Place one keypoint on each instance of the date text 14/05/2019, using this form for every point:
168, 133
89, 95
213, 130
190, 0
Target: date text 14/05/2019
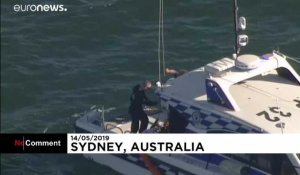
137, 146
89, 137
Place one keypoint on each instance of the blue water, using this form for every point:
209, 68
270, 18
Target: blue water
56, 64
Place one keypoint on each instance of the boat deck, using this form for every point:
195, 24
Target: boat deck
124, 126
269, 101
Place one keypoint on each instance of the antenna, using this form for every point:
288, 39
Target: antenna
235, 27
241, 40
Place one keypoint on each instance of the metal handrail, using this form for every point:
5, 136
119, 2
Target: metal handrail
113, 127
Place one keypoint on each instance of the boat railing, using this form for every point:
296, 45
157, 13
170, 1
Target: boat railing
112, 126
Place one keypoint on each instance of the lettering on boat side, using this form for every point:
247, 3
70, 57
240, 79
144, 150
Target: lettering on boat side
276, 110
267, 116
298, 103
274, 117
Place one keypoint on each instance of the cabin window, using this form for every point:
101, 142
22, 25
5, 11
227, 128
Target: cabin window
216, 95
275, 164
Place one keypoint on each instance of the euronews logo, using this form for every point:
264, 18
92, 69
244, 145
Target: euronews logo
39, 8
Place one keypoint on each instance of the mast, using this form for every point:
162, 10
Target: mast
235, 27
241, 39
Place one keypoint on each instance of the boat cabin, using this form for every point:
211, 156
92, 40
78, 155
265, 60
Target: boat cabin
249, 94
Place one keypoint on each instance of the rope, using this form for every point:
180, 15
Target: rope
159, 39
161, 42
162, 35
297, 60
150, 164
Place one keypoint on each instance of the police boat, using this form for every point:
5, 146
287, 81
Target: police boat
244, 93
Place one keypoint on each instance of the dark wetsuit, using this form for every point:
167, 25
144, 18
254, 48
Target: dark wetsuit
177, 122
137, 100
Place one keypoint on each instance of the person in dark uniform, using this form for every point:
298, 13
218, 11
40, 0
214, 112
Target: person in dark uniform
138, 98
177, 122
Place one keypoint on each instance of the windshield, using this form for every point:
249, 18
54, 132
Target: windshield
298, 155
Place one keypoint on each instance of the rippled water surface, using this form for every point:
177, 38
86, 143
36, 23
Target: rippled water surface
59, 63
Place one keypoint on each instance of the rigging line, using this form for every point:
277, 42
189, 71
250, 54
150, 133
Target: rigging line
297, 60
159, 38
162, 36
293, 59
